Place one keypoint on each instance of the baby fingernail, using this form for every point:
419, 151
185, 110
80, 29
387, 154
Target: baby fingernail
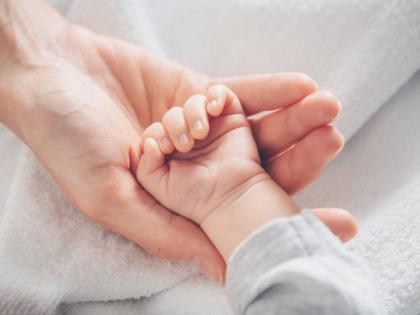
198, 125
166, 144
183, 138
212, 105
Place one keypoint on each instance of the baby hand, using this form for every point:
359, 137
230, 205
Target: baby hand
216, 159
202, 162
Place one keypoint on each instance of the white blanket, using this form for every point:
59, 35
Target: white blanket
363, 51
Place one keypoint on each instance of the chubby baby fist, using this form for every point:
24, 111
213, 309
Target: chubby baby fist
201, 157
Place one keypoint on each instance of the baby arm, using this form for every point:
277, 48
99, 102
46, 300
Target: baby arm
278, 260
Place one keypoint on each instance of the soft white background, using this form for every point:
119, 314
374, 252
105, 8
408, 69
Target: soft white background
364, 51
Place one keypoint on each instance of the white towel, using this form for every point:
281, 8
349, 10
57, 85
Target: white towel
363, 51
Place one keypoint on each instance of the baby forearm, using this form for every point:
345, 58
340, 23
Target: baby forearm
259, 203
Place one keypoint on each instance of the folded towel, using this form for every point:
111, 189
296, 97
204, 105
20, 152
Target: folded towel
362, 51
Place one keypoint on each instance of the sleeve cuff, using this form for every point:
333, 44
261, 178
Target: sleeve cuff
280, 240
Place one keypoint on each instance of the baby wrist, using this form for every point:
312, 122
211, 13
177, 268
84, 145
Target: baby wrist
260, 203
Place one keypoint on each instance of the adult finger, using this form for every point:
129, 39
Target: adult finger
264, 92
303, 163
277, 131
339, 221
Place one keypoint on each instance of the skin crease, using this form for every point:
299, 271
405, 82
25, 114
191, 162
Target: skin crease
81, 101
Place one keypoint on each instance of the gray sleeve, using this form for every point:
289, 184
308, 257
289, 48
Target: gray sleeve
297, 266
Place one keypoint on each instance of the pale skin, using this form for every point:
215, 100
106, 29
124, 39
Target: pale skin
81, 102
215, 177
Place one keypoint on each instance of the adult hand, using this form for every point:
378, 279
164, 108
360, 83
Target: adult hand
80, 101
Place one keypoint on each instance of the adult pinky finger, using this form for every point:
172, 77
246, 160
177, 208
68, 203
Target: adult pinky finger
303, 163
